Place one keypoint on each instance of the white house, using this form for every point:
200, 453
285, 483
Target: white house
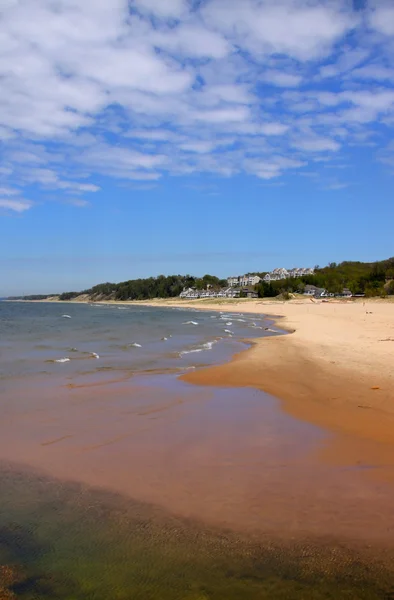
192, 293
312, 290
189, 293
253, 279
243, 280
282, 273
233, 281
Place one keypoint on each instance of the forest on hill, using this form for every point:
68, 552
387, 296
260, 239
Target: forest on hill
370, 279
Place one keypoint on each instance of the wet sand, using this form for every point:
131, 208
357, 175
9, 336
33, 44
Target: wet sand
334, 370
316, 477
227, 457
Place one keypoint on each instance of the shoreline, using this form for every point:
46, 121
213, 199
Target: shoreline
231, 457
333, 370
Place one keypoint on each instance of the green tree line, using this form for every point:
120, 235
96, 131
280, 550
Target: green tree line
370, 279
146, 289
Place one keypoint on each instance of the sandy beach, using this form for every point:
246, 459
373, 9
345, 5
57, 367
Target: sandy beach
311, 460
335, 369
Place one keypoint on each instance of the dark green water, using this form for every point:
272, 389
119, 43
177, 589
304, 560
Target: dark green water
66, 541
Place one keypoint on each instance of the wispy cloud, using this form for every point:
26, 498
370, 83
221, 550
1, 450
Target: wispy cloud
18, 206
136, 90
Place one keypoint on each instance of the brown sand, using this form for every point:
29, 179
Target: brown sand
226, 457
336, 369
232, 458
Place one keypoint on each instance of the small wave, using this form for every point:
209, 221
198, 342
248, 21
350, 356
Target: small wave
206, 346
229, 323
94, 355
190, 323
241, 320
60, 360
228, 331
122, 308
164, 339
135, 345
66, 316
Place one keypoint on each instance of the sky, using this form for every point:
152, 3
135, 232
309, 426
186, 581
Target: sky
192, 136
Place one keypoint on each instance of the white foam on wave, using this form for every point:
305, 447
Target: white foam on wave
229, 323
164, 339
228, 331
66, 316
62, 360
190, 351
190, 323
135, 345
206, 346
94, 355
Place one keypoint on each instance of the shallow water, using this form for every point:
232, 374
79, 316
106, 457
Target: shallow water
66, 541
66, 339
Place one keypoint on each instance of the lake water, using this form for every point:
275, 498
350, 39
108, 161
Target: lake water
73, 339
118, 481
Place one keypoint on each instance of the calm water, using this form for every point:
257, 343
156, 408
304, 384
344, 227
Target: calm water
119, 482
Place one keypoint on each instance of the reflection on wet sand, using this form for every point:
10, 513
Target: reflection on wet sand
228, 457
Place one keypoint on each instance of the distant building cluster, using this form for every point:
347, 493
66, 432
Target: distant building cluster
243, 280
193, 293
282, 273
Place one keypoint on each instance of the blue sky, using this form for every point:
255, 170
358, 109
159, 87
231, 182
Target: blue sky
223, 136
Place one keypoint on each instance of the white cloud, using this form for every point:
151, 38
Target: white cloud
199, 147
349, 59
272, 167
382, 19
274, 128
316, 144
280, 79
18, 206
192, 40
300, 30
6, 191
374, 72
222, 115
132, 90
162, 8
